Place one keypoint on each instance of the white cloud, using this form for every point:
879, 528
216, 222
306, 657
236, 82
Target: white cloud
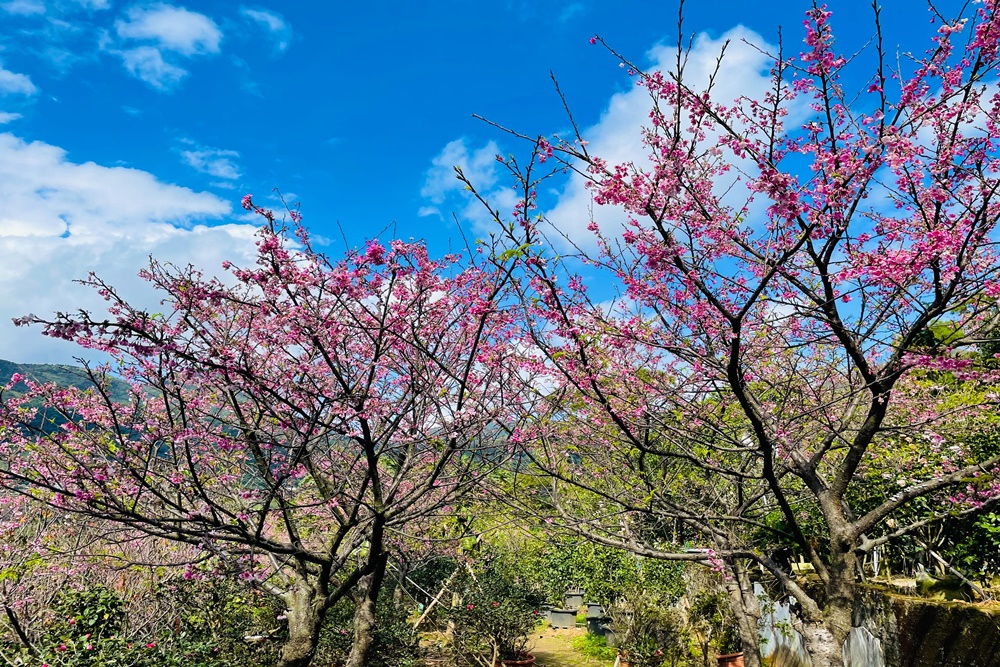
14, 83
479, 167
7, 117
73, 194
213, 161
172, 31
23, 7
94, 4
147, 63
171, 28
616, 137
571, 11
278, 28
62, 219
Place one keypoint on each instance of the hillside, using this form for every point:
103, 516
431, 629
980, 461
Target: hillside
64, 375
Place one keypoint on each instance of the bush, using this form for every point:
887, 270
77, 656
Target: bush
188, 624
653, 634
496, 614
606, 574
96, 612
395, 642
90, 627
429, 576
594, 646
211, 619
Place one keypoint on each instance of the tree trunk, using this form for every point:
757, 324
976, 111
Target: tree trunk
824, 649
825, 637
398, 591
364, 617
304, 621
746, 608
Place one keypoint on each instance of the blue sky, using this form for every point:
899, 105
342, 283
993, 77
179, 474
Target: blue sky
133, 128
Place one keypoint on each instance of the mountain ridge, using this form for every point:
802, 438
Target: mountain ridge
64, 375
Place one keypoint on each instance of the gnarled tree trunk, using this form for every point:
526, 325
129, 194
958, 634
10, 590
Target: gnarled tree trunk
366, 600
823, 647
746, 608
825, 637
304, 621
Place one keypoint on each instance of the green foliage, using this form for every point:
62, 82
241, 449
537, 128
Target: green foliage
610, 575
979, 547
711, 622
104, 652
594, 646
92, 628
430, 576
497, 611
653, 635
395, 643
95, 611
557, 569
557, 563
208, 627
214, 617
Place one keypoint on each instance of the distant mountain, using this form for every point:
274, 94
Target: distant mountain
63, 375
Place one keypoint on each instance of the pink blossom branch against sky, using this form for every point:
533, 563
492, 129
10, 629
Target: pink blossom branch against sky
135, 128
364, 392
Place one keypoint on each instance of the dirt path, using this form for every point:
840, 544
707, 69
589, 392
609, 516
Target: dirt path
554, 648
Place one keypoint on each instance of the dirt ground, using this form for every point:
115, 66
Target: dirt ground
554, 648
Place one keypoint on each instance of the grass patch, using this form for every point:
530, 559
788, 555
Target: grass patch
594, 646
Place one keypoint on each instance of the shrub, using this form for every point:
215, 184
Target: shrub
184, 624
594, 646
496, 614
395, 642
211, 619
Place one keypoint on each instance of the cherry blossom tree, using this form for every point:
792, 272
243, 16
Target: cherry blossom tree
293, 422
27, 581
772, 339
49, 558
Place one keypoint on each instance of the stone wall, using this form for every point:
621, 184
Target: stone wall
915, 632
893, 630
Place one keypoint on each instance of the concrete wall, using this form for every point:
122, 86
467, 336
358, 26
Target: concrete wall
916, 632
894, 630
